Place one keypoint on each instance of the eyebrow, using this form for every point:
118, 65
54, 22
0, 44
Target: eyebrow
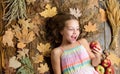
71, 26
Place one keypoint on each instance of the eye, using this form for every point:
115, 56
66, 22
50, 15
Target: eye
70, 29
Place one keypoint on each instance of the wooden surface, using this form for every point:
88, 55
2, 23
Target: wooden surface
104, 37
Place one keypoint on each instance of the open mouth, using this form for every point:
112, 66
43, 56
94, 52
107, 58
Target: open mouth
74, 37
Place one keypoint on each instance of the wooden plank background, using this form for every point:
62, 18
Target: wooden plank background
104, 37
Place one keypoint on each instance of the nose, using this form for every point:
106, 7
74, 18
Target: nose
75, 31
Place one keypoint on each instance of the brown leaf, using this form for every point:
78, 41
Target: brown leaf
25, 36
8, 37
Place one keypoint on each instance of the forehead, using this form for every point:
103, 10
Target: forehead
72, 23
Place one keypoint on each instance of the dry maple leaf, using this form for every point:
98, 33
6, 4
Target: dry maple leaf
102, 15
44, 48
75, 12
14, 63
8, 37
38, 58
43, 68
114, 59
26, 23
22, 53
90, 27
49, 12
31, 24
25, 36
30, 2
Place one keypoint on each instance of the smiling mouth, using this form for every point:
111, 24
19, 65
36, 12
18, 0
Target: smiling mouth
74, 37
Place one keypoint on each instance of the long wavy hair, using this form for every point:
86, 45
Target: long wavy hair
54, 26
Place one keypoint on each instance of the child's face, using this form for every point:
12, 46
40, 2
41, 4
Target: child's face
71, 31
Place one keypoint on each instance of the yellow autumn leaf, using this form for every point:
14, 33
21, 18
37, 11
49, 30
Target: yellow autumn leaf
8, 37
44, 48
114, 59
43, 68
90, 27
31, 24
38, 58
26, 23
49, 12
14, 63
25, 36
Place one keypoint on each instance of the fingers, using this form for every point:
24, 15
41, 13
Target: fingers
97, 50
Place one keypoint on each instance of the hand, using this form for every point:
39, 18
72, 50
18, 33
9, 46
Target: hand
97, 50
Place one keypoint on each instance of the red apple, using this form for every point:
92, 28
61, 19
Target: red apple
93, 45
100, 69
110, 70
106, 63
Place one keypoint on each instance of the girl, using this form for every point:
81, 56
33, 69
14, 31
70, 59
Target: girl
70, 55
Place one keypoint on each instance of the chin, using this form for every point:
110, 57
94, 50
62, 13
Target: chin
73, 41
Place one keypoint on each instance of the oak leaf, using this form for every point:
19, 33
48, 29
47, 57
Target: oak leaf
8, 37
49, 12
90, 27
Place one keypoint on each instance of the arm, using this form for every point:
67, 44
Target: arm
55, 60
94, 55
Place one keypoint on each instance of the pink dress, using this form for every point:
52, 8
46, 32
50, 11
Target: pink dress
77, 61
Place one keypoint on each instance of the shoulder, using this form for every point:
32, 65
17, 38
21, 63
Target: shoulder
56, 52
83, 41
